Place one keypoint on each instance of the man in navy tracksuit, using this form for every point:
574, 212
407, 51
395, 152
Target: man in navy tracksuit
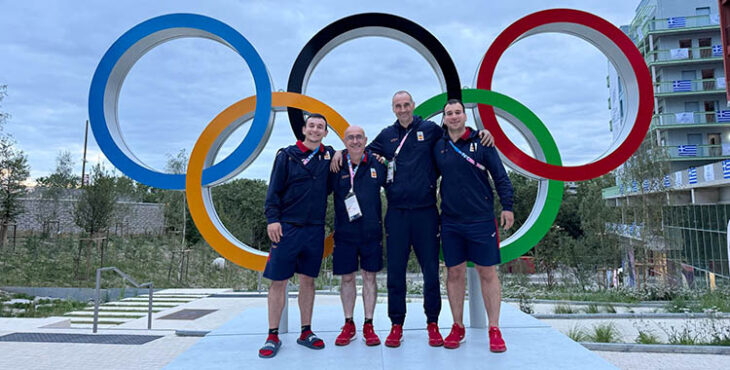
296, 203
358, 231
468, 227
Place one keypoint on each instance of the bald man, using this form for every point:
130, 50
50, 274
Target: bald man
358, 231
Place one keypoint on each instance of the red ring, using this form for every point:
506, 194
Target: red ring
643, 79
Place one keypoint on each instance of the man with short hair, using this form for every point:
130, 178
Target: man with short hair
296, 203
358, 231
468, 227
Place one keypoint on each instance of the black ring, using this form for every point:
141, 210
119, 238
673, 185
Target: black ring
303, 64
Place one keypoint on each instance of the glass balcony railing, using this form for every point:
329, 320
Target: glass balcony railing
611, 192
693, 151
685, 54
678, 23
685, 86
689, 118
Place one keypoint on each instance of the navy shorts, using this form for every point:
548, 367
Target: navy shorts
476, 242
346, 254
299, 250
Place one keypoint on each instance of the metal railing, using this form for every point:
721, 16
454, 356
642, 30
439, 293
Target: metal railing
677, 23
682, 54
683, 86
699, 151
684, 118
125, 278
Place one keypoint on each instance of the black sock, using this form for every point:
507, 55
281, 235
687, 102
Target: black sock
349, 320
369, 321
274, 331
306, 328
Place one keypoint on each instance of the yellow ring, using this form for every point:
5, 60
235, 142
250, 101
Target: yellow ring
243, 255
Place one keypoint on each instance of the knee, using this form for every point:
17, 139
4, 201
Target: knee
348, 279
306, 282
368, 277
488, 274
456, 273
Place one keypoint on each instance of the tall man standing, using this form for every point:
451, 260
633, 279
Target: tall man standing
412, 218
296, 203
358, 231
468, 227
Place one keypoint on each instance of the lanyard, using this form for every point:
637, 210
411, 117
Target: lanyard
309, 158
468, 159
397, 150
353, 172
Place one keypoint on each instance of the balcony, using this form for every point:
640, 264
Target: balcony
688, 120
684, 55
690, 87
695, 152
676, 25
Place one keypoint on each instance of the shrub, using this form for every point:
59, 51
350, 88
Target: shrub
605, 333
563, 308
577, 334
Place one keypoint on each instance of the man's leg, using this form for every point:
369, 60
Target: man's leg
276, 300
424, 228
369, 292
348, 294
306, 298
491, 292
398, 249
455, 286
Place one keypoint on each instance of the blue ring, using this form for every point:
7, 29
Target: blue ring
100, 127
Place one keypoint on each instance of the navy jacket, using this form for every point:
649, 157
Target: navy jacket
369, 178
466, 195
414, 185
297, 193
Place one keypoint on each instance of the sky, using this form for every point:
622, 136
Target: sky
49, 51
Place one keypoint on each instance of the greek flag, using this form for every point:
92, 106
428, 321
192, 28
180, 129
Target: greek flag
687, 150
692, 173
676, 22
723, 116
645, 185
716, 50
726, 169
621, 188
682, 85
668, 184
634, 186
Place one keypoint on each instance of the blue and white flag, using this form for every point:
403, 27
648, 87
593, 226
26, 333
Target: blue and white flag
621, 188
726, 169
645, 185
682, 85
716, 50
676, 22
634, 186
692, 174
667, 182
723, 116
687, 150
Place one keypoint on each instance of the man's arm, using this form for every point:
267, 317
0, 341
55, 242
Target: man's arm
502, 184
272, 206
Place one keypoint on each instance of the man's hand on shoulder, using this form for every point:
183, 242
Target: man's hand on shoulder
336, 162
486, 138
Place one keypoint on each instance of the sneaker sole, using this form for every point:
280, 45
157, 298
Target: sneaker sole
370, 344
395, 346
463, 340
353, 337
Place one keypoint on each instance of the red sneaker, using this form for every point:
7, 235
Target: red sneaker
434, 337
456, 337
347, 335
369, 336
496, 343
395, 336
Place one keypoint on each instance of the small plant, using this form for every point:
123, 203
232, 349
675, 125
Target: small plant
592, 308
605, 333
647, 337
563, 308
611, 308
577, 334
525, 301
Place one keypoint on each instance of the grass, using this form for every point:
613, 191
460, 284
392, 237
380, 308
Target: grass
647, 337
42, 308
564, 308
592, 308
577, 334
605, 333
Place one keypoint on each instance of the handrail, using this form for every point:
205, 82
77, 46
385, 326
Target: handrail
125, 277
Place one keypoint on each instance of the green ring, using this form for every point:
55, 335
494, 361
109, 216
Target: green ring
549, 211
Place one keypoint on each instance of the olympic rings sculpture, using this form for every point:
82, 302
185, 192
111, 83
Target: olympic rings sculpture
202, 173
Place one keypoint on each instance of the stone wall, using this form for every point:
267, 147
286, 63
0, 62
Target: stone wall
131, 218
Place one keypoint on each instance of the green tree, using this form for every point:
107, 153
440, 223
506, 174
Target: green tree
240, 205
95, 208
14, 171
54, 187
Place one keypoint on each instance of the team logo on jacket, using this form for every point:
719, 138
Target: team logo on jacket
326, 155
473, 147
419, 134
373, 173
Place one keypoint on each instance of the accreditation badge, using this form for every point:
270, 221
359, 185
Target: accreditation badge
327, 155
373, 173
391, 171
352, 206
419, 135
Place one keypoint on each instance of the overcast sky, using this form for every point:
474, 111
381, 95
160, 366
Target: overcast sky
50, 49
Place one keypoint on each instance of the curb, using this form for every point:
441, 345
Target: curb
690, 315
656, 348
586, 303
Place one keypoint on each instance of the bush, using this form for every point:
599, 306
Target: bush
563, 308
605, 333
592, 308
577, 334
647, 337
